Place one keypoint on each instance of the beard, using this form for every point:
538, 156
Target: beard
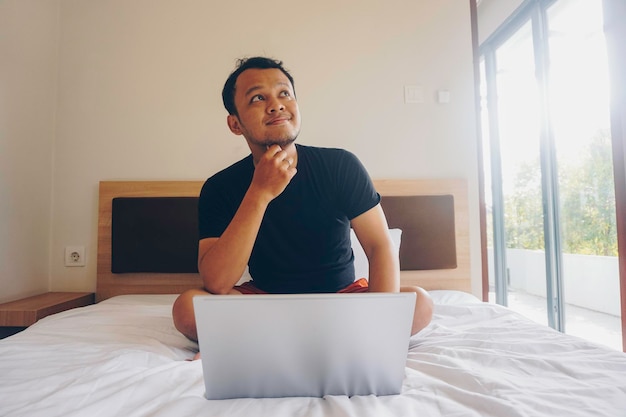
283, 143
269, 141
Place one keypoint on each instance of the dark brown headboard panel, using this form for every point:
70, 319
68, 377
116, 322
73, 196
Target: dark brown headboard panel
427, 223
160, 234
154, 234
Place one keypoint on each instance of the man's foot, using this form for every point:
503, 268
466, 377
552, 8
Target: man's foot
195, 357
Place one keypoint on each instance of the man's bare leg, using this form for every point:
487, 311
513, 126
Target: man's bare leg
423, 308
183, 314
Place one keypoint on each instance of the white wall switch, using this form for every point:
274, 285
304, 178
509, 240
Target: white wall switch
413, 94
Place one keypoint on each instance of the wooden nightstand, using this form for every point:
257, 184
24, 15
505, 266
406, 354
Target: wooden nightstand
24, 312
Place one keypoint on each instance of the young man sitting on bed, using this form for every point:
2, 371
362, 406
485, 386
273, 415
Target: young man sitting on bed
286, 209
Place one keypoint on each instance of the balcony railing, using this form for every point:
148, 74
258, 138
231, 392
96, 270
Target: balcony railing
591, 290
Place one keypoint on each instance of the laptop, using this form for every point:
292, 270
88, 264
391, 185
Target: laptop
303, 345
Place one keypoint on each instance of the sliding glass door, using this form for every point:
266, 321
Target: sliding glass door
515, 155
579, 93
554, 244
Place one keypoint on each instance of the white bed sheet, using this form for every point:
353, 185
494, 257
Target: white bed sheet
123, 357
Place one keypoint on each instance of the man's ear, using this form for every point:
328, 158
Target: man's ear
233, 124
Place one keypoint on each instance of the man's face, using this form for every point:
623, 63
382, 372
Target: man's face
267, 107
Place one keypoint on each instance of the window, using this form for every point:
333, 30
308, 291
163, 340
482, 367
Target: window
552, 246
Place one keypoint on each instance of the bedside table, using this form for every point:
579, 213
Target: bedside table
24, 312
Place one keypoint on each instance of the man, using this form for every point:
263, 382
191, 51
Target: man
286, 210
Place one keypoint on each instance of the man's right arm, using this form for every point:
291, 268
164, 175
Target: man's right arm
221, 261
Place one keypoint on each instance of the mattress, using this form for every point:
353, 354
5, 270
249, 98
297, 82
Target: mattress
123, 357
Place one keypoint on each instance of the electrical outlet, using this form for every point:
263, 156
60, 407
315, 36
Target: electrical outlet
74, 256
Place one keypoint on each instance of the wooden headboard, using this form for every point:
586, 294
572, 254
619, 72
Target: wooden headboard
458, 278
452, 263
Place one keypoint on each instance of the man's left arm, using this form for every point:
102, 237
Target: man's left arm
384, 265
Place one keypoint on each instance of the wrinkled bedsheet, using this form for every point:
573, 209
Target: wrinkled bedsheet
123, 357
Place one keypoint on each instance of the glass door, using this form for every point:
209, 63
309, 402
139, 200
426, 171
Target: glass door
545, 103
578, 88
516, 175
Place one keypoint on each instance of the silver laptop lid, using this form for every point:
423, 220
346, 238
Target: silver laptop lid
307, 345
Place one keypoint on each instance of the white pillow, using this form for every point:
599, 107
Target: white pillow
361, 264
245, 277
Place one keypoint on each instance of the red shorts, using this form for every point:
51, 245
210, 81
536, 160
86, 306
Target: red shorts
360, 285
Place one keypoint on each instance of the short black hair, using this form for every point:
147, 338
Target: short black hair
257, 62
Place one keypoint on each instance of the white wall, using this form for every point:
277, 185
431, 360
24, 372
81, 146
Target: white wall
28, 59
139, 85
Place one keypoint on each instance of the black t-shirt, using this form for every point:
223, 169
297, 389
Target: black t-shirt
303, 245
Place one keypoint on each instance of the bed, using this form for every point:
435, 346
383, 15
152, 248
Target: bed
123, 357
